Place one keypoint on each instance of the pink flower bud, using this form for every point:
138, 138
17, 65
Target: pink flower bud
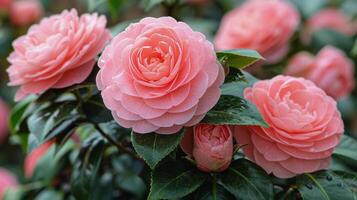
25, 12
5, 5
35, 156
7, 181
211, 146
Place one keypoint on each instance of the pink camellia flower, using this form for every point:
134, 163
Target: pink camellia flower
25, 12
330, 18
57, 53
7, 181
265, 26
331, 70
5, 5
304, 127
35, 156
159, 75
211, 146
4, 116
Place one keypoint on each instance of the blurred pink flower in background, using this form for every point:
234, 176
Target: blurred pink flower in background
159, 75
210, 145
35, 156
57, 53
25, 12
304, 127
330, 18
4, 118
5, 5
265, 26
7, 181
331, 70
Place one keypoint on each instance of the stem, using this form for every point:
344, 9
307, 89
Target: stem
119, 145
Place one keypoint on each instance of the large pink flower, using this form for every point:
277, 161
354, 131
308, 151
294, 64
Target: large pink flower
304, 127
330, 18
25, 12
7, 181
4, 118
159, 75
331, 70
57, 53
210, 145
265, 26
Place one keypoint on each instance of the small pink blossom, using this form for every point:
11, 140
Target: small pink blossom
211, 146
25, 12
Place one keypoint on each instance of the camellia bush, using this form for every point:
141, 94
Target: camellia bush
170, 99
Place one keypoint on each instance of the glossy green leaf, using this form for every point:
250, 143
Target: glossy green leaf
172, 180
17, 115
212, 191
154, 147
323, 185
350, 179
239, 58
246, 181
233, 110
84, 177
53, 119
236, 87
49, 194
346, 150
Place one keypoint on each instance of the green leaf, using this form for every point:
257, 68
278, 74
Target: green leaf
236, 87
233, 110
49, 194
247, 181
239, 58
346, 150
175, 179
128, 179
53, 119
350, 178
17, 114
84, 177
14, 194
154, 147
324, 185
114, 6
325, 37
212, 191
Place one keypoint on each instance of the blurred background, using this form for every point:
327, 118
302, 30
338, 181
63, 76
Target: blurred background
16, 16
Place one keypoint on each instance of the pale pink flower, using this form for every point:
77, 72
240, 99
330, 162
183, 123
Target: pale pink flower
57, 53
25, 12
159, 75
211, 146
7, 181
331, 70
304, 127
265, 26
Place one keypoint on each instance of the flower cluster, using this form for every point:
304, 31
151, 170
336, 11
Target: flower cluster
159, 76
